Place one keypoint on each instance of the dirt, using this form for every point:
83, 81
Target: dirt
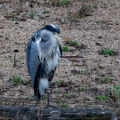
84, 81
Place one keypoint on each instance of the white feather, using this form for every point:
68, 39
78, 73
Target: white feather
43, 84
38, 48
53, 63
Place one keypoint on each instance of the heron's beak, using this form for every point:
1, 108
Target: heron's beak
58, 37
55, 33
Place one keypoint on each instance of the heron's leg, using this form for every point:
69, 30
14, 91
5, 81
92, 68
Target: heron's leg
37, 101
48, 97
48, 100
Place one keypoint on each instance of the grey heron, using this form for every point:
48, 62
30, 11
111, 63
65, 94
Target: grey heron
43, 54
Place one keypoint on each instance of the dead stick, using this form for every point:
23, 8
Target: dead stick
72, 56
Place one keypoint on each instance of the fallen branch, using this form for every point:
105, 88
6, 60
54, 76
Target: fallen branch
54, 113
72, 56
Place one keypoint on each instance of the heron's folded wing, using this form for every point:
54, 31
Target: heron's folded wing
32, 60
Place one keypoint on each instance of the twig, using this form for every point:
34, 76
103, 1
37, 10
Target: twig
76, 56
14, 65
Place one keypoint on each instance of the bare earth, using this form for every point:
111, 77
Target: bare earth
78, 82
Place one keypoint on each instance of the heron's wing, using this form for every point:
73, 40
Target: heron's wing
32, 59
28, 54
34, 65
36, 82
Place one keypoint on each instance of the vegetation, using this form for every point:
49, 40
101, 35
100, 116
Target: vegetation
101, 22
64, 105
106, 80
32, 97
65, 49
17, 80
115, 91
85, 72
32, 14
75, 72
66, 95
83, 88
46, 11
55, 91
107, 51
102, 97
13, 17
74, 44
60, 81
64, 2
44, 96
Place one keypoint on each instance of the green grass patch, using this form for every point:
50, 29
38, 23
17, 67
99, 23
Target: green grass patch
32, 97
74, 44
44, 96
83, 88
75, 72
16, 80
85, 72
65, 49
55, 91
64, 2
66, 95
101, 22
107, 80
13, 17
115, 91
102, 97
46, 11
107, 51
64, 105
89, 103
60, 81
32, 14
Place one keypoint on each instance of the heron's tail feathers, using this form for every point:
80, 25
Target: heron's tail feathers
39, 89
43, 85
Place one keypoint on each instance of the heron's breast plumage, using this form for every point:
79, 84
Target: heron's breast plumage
51, 59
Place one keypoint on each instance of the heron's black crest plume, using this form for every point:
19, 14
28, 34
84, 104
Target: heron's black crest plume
52, 28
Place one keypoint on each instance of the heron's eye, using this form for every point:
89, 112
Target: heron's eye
54, 33
43, 40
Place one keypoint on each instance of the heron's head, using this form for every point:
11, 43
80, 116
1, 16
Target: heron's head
46, 38
54, 28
